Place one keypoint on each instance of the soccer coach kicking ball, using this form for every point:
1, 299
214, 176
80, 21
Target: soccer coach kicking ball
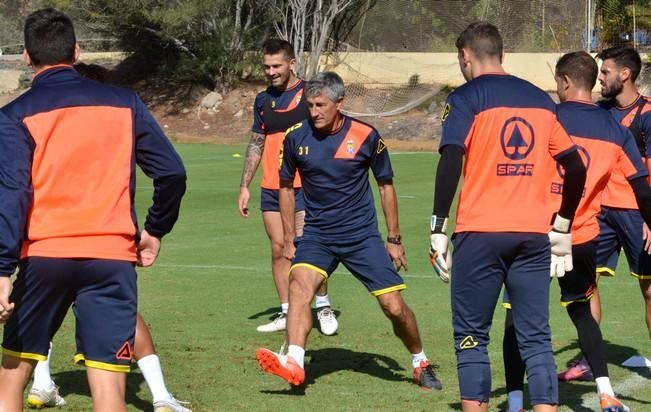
333, 154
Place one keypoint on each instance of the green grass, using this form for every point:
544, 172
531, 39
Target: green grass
212, 286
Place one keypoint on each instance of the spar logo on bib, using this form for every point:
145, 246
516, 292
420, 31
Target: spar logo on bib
517, 140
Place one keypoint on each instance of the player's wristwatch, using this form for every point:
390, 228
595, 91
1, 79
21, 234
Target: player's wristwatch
396, 240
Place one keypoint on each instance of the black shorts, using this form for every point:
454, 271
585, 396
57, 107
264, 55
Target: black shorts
578, 284
105, 299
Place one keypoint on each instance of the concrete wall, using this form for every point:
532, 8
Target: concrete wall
396, 68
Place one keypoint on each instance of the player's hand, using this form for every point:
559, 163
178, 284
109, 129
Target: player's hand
6, 308
243, 201
438, 248
147, 249
398, 256
646, 235
560, 239
289, 249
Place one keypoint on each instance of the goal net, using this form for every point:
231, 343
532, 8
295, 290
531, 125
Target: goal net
393, 55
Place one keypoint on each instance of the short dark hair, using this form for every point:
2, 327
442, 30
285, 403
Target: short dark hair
275, 46
624, 57
49, 37
580, 67
483, 39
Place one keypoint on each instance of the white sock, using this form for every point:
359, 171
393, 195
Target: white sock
515, 401
284, 307
297, 353
151, 370
417, 357
42, 378
603, 386
322, 301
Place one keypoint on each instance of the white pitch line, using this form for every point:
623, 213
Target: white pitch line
259, 269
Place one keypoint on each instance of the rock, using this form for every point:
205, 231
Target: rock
25, 79
239, 113
9, 80
185, 111
212, 100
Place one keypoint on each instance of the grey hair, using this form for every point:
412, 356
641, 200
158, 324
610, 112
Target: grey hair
328, 83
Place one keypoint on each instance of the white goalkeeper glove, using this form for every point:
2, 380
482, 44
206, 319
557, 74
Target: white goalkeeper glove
438, 248
561, 242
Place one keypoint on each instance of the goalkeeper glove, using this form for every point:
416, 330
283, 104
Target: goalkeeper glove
561, 242
438, 248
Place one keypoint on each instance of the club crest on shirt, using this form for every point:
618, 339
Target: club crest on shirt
350, 146
273, 104
446, 112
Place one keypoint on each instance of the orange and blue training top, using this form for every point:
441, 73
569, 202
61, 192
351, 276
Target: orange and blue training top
619, 193
274, 112
68, 150
334, 170
509, 131
604, 145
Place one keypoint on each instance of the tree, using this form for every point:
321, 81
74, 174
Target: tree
201, 41
308, 25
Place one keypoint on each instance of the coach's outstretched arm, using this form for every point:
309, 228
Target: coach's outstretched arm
448, 174
158, 160
560, 236
16, 148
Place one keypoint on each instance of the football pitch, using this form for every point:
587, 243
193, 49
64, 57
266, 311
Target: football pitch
212, 286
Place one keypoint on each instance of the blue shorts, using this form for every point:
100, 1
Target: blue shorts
482, 263
105, 305
577, 285
622, 228
269, 200
367, 259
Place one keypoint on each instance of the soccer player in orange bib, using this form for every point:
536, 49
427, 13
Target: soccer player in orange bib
605, 146
275, 110
508, 131
68, 151
620, 222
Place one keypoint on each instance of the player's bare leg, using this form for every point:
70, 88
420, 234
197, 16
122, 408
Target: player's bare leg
107, 389
280, 265
303, 285
14, 375
476, 406
143, 342
595, 301
273, 225
144, 352
645, 287
405, 327
402, 319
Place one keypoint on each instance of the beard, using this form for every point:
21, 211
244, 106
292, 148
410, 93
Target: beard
613, 90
